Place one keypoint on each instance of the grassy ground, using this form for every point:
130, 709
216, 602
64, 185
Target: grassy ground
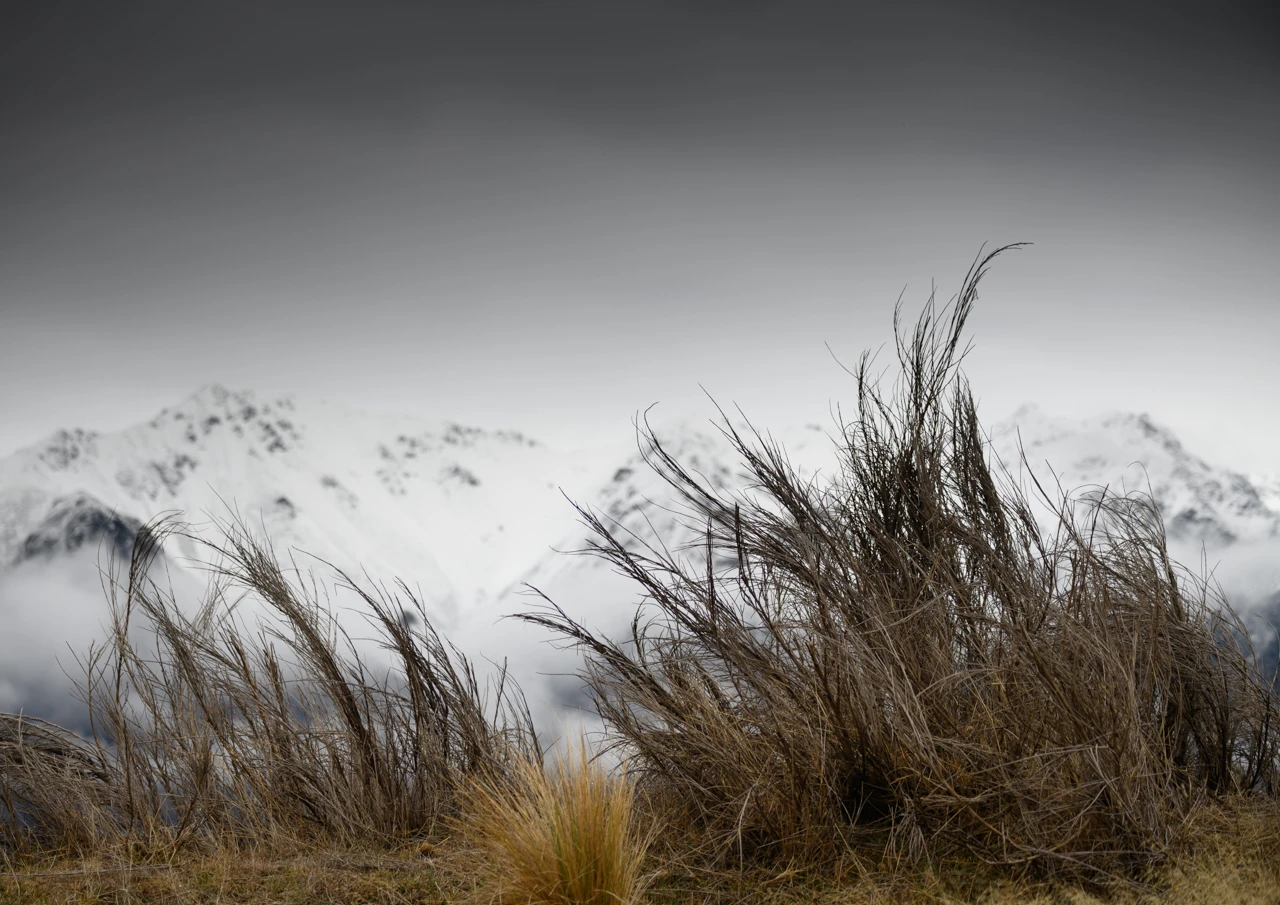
1228, 875
229, 878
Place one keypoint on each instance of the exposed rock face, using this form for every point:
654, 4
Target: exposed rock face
78, 521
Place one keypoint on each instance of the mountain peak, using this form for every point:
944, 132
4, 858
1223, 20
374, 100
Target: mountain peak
217, 399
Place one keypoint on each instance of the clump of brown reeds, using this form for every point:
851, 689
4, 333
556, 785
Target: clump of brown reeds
565, 834
219, 733
899, 664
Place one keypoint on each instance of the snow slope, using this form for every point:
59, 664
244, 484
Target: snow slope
1269, 489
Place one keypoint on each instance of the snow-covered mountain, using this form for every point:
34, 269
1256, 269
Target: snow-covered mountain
467, 516
1127, 453
457, 510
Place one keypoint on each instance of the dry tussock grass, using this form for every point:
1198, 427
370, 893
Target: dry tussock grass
562, 835
219, 734
896, 662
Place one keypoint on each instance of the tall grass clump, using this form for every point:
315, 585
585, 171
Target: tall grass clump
566, 834
896, 665
208, 731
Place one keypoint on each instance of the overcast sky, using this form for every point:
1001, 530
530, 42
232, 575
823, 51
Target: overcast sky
549, 215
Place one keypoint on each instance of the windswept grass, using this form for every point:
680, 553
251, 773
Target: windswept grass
217, 733
895, 666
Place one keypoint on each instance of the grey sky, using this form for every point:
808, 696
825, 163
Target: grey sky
549, 215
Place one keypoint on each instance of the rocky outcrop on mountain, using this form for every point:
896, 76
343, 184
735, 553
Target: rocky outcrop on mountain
79, 521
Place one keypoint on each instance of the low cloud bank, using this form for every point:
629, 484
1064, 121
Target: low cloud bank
51, 611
